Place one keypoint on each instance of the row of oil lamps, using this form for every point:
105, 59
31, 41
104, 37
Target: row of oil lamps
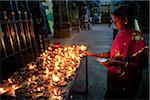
46, 77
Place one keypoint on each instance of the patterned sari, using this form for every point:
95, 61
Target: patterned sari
127, 45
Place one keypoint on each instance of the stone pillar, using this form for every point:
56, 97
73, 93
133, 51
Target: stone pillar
74, 15
62, 27
81, 14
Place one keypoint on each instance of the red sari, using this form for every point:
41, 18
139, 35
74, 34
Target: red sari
128, 46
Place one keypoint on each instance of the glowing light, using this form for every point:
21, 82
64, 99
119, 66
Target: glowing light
2, 90
55, 78
54, 68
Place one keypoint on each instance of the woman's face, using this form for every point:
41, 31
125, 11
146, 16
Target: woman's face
119, 22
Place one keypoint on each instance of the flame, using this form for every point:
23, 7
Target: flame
39, 89
52, 68
57, 65
32, 66
2, 90
11, 90
15, 87
50, 48
73, 56
53, 97
10, 81
49, 57
44, 54
44, 58
12, 93
29, 80
68, 74
47, 71
83, 48
46, 51
33, 78
55, 78
55, 91
70, 68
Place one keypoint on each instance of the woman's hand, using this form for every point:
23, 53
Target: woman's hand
104, 55
107, 63
113, 66
87, 53
113, 70
115, 63
101, 55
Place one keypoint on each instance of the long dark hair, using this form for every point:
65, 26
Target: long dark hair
125, 11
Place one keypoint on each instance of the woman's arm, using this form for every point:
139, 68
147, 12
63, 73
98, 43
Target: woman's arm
101, 55
138, 62
133, 64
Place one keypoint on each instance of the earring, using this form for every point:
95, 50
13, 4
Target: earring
126, 23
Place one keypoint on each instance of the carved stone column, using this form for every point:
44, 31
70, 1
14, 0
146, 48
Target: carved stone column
74, 15
62, 27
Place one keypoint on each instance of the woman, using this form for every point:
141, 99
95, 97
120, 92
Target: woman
127, 57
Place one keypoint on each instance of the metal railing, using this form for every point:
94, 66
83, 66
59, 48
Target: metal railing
18, 40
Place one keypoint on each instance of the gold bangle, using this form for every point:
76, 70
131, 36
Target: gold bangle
126, 64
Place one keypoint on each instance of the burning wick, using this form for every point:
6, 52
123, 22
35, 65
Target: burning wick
49, 48
29, 80
2, 90
55, 78
58, 67
83, 48
32, 67
10, 81
38, 89
15, 87
44, 54
55, 92
12, 91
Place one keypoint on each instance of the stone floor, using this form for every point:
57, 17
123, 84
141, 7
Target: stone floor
97, 39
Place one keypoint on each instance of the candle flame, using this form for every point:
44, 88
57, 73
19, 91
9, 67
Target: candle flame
32, 66
10, 81
39, 89
15, 87
55, 78
83, 48
2, 90
55, 67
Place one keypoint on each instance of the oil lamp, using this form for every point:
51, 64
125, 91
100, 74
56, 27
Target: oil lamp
2, 90
47, 76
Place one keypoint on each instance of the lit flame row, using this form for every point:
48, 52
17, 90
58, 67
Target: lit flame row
53, 69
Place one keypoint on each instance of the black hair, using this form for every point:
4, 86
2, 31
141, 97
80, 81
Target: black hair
126, 11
